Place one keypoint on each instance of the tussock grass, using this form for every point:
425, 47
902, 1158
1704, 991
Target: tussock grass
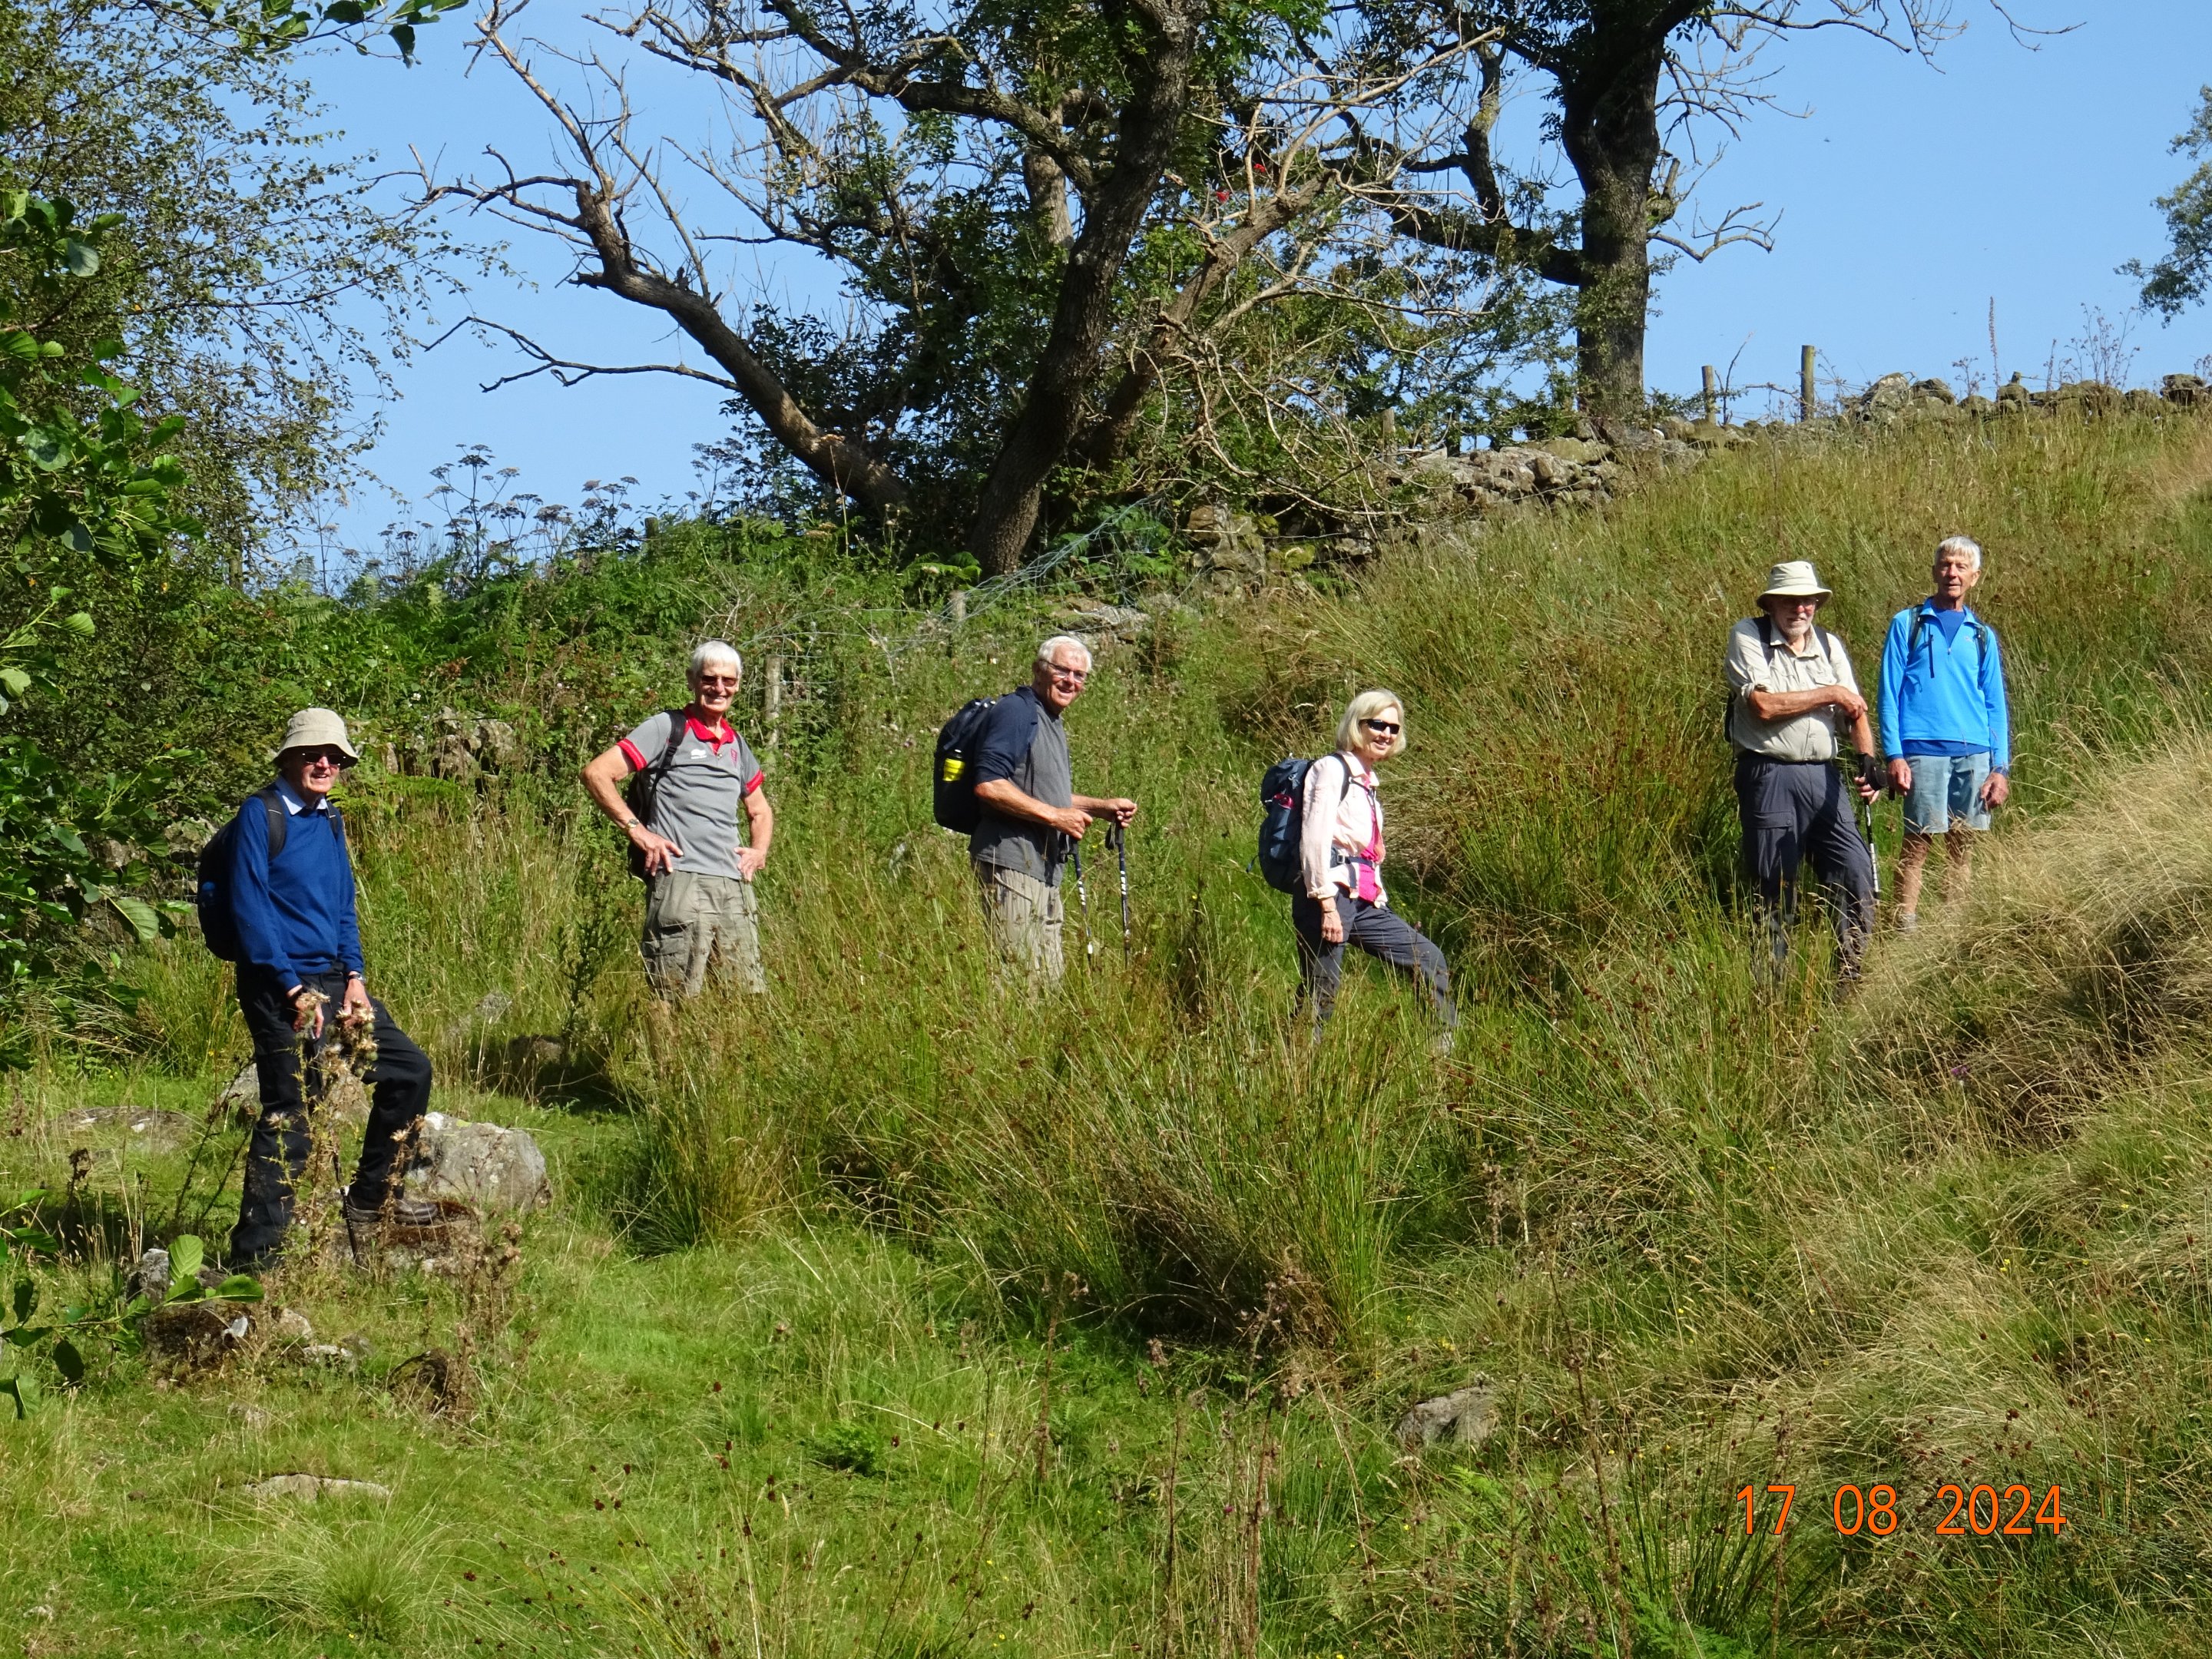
908, 1215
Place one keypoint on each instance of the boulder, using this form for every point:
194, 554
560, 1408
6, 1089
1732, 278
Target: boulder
241, 1095
1940, 389
139, 1126
1574, 449
2186, 390
479, 1165
1467, 1415
313, 1488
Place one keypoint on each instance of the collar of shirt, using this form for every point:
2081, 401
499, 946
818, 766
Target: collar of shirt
1930, 608
713, 736
295, 803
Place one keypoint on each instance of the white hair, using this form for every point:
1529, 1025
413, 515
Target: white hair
710, 653
1966, 544
1058, 643
1365, 707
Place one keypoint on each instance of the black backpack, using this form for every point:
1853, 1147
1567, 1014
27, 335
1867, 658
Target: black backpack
212, 893
1282, 822
952, 775
638, 795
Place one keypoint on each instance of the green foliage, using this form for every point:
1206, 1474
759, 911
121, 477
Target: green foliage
24, 1240
2178, 279
248, 279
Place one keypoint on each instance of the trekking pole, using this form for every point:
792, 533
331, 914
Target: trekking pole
1082, 898
1120, 840
1865, 828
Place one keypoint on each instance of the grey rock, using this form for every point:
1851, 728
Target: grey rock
1467, 1415
2013, 390
313, 1488
140, 1126
241, 1095
1940, 389
290, 1325
151, 1277
2186, 389
480, 1164
497, 746
1574, 449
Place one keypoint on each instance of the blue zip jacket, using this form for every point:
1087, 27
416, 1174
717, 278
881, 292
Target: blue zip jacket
294, 916
1948, 693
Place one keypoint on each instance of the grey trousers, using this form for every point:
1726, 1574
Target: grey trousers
1797, 811
1383, 935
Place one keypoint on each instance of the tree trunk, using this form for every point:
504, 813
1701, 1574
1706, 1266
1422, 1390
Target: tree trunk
1113, 213
1609, 125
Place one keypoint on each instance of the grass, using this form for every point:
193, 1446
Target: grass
905, 1314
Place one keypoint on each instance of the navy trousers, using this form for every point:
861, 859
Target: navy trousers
1382, 934
293, 1084
1800, 811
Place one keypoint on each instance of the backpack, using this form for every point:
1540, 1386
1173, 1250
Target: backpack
1282, 822
211, 893
952, 774
1771, 640
1981, 630
639, 792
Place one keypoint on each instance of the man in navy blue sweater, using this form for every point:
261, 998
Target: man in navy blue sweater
298, 933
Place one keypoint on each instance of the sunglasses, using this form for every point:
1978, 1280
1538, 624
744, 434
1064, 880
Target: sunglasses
1382, 727
718, 679
327, 756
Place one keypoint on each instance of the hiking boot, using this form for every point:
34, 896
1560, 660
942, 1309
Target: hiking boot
1907, 921
399, 1209
1441, 1045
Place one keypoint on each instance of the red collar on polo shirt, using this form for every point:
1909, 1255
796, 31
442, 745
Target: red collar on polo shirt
713, 736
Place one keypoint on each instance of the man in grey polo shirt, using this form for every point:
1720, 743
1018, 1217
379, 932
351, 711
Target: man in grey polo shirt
701, 913
1028, 812
1791, 693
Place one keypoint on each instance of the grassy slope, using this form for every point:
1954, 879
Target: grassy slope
1697, 1240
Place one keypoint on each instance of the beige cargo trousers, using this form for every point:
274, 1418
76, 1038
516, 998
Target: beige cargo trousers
1025, 920
701, 926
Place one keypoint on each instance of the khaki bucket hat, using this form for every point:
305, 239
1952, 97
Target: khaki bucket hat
311, 728
1794, 579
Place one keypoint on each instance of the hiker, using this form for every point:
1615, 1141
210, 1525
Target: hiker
1340, 900
298, 938
1944, 727
1792, 698
701, 913
1028, 817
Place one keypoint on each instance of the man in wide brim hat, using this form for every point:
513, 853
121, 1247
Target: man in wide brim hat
290, 891
1792, 698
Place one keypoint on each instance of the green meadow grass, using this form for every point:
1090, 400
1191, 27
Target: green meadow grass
905, 1312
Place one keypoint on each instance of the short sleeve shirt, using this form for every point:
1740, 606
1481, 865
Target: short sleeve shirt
1750, 666
1024, 743
699, 804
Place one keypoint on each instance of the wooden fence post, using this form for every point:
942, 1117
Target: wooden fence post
772, 699
1712, 393
1807, 398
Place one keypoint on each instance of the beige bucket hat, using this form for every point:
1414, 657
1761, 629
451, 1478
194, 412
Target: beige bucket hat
1794, 579
311, 728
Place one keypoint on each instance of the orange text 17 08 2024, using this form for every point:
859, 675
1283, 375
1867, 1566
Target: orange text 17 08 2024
1979, 1511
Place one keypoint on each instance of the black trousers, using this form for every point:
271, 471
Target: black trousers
1793, 812
1382, 934
292, 1084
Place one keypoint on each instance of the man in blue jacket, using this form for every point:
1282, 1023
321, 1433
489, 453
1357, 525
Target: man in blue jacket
298, 933
1944, 727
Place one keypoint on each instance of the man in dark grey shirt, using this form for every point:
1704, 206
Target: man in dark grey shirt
1030, 814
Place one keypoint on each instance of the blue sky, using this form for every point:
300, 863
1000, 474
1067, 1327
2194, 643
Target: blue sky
1910, 195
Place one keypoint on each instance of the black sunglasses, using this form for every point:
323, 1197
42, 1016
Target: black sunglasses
329, 752
1383, 727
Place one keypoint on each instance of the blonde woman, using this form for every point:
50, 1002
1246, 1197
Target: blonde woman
1340, 860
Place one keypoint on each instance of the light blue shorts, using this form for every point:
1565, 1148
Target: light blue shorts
1946, 794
